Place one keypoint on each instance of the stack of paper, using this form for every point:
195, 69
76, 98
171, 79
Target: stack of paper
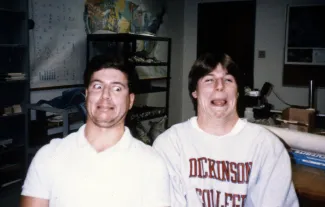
12, 76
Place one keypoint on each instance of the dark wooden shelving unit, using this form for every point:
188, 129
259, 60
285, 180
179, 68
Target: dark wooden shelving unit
14, 58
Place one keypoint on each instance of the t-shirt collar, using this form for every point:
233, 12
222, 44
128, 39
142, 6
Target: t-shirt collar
240, 124
123, 143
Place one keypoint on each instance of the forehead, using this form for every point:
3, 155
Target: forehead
109, 75
219, 70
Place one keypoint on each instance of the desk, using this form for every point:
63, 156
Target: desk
310, 185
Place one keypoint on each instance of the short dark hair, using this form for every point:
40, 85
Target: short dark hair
117, 62
205, 64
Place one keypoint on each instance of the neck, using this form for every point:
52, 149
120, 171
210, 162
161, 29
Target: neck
217, 126
101, 138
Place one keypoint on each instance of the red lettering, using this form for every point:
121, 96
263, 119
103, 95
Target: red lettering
248, 166
206, 198
193, 167
240, 172
218, 176
202, 174
199, 191
225, 170
218, 198
243, 198
212, 173
227, 196
212, 197
235, 197
233, 171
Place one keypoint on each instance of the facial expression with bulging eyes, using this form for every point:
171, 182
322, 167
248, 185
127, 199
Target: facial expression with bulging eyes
216, 95
107, 98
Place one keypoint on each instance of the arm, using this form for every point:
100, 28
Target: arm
36, 187
274, 187
27, 201
157, 184
170, 152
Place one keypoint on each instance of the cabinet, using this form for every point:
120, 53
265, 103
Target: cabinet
14, 90
153, 69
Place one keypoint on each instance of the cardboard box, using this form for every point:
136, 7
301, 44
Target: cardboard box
299, 119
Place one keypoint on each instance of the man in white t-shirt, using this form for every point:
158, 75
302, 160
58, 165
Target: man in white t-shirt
101, 164
216, 159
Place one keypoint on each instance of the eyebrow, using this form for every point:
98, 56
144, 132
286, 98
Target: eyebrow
114, 82
209, 74
119, 83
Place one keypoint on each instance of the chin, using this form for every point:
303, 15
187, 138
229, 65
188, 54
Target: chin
222, 114
104, 124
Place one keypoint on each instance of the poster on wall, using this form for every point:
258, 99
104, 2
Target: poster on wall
58, 40
57, 43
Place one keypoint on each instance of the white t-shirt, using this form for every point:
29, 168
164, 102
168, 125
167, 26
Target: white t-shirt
70, 173
247, 167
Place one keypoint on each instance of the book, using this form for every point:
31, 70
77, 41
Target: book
308, 155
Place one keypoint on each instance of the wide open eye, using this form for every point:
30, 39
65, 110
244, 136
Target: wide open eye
97, 86
117, 88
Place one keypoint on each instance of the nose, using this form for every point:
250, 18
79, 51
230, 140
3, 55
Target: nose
220, 85
106, 93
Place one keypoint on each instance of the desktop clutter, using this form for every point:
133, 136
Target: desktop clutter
294, 125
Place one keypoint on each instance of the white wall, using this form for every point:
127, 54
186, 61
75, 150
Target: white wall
175, 21
269, 36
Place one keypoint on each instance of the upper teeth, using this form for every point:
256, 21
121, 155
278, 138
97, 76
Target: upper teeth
219, 102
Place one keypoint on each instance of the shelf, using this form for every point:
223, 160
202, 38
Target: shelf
14, 59
11, 115
146, 113
12, 81
16, 181
153, 89
11, 148
123, 37
52, 109
9, 167
59, 129
12, 46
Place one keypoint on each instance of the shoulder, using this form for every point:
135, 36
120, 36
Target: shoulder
173, 134
56, 147
269, 141
146, 154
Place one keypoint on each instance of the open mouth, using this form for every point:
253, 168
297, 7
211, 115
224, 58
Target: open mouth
105, 108
219, 103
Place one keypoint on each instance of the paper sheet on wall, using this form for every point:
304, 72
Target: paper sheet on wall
57, 42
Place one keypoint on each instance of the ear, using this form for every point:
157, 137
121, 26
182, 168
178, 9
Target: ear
86, 93
194, 94
132, 97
